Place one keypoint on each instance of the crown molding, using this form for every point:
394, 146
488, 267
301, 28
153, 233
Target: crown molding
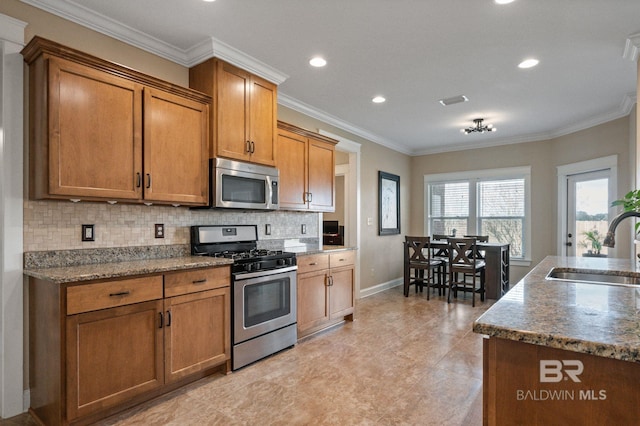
325, 117
632, 47
212, 47
200, 52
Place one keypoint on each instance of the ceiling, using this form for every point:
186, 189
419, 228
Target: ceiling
412, 52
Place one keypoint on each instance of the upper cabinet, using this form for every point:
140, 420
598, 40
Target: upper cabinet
100, 131
244, 111
306, 161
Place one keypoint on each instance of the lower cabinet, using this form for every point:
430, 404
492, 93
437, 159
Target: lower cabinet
326, 290
120, 342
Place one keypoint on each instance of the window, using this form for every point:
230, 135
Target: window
487, 202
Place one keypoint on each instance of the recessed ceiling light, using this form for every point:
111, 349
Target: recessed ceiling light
209, 1
503, 1
378, 100
317, 62
528, 63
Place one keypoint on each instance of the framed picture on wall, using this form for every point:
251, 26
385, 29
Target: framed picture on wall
388, 203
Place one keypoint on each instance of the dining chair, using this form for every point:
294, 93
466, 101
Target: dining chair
463, 261
480, 254
420, 268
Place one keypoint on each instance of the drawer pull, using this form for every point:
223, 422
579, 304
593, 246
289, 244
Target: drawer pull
120, 293
341, 260
313, 263
202, 281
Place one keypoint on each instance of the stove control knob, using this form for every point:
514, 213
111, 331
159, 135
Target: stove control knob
281, 262
248, 267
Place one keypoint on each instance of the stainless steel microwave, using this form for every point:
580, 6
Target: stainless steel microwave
239, 185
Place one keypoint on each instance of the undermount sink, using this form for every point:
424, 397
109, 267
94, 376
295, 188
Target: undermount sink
594, 276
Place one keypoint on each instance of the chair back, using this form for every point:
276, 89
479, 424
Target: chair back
417, 250
440, 236
462, 252
479, 254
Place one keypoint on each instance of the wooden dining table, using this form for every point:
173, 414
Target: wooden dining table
497, 266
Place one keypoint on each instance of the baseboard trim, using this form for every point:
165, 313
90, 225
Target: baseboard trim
369, 291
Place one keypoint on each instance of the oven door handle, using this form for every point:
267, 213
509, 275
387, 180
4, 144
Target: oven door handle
249, 275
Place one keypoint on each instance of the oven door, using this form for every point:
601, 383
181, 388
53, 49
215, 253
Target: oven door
262, 302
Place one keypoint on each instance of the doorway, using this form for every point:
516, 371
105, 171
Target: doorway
585, 192
587, 213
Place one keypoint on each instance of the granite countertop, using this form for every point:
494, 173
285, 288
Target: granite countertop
324, 249
597, 319
61, 275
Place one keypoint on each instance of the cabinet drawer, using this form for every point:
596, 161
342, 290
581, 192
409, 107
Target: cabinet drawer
91, 297
343, 258
185, 282
312, 262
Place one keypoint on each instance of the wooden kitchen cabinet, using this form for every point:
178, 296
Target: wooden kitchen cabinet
326, 290
99, 347
306, 161
244, 111
197, 323
100, 131
113, 355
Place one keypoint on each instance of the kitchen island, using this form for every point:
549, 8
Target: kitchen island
563, 352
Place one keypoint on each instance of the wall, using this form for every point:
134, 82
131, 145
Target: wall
543, 157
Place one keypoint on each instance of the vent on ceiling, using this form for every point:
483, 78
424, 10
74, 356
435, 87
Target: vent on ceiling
453, 100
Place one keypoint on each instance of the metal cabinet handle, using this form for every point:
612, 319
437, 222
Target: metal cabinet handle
161, 319
313, 263
202, 281
120, 293
247, 146
138, 180
168, 318
253, 147
148, 180
310, 197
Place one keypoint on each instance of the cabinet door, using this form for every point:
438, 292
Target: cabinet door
197, 332
321, 176
232, 112
95, 133
312, 301
176, 158
292, 163
341, 296
113, 355
262, 121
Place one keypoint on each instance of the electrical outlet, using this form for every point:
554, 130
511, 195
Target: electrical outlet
369, 221
88, 233
304, 229
267, 229
159, 230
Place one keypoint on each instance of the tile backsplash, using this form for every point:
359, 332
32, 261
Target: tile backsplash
57, 225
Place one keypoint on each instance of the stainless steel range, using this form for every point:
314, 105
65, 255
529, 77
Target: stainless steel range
263, 290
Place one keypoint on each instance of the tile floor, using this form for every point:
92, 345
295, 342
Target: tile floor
404, 361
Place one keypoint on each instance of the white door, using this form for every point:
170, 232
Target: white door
588, 200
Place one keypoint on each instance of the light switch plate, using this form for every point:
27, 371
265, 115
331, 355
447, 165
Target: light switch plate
304, 229
267, 229
159, 230
88, 233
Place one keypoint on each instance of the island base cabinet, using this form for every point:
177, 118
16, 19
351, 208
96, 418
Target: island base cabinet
113, 355
528, 384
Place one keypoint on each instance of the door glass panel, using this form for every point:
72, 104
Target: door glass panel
588, 214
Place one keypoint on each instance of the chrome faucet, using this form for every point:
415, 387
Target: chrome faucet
610, 239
